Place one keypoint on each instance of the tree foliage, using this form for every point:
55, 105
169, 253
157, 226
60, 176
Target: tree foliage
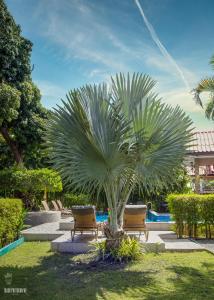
180, 183
29, 185
206, 85
9, 103
15, 50
22, 116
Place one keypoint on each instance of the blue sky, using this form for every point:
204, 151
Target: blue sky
86, 41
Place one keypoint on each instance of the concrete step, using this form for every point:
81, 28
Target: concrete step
43, 232
66, 224
81, 243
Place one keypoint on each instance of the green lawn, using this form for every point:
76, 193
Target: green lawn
46, 275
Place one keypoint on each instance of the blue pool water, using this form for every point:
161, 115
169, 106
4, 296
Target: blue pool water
152, 217
102, 217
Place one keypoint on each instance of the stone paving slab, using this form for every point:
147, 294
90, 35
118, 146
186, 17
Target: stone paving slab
172, 243
206, 244
182, 245
82, 243
43, 232
66, 224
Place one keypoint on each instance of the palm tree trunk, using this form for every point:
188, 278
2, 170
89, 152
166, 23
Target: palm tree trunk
117, 199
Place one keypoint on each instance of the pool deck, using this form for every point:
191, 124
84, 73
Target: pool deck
159, 240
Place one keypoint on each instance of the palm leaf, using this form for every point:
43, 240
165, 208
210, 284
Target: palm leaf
212, 61
205, 85
209, 111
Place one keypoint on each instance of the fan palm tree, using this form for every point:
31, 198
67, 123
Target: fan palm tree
206, 85
113, 138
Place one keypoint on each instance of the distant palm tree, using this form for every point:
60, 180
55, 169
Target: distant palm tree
206, 85
113, 138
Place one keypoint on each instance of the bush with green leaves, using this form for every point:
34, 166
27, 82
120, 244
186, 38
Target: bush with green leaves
209, 185
30, 185
129, 249
193, 213
11, 220
70, 199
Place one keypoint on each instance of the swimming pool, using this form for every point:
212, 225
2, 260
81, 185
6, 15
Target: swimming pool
101, 217
152, 216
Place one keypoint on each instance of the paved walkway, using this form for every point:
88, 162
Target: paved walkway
157, 241
206, 244
43, 232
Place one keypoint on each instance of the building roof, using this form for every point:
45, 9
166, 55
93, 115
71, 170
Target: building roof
203, 143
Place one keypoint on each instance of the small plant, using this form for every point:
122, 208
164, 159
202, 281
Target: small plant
100, 248
129, 249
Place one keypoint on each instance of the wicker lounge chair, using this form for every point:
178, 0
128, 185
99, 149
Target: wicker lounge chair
64, 213
135, 219
56, 207
63, 209
84, 220
45, 205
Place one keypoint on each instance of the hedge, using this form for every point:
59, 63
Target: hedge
11, 220
72, 199
193, 214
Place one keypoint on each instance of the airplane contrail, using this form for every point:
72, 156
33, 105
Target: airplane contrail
161, 47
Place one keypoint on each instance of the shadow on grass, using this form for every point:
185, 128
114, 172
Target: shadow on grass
188, 284
59, 276
63, 277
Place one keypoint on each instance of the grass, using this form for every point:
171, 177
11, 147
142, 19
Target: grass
48, 275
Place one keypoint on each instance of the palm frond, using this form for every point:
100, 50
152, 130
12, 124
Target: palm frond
86, 138
205, 85
162, 142
209, 111
212, 61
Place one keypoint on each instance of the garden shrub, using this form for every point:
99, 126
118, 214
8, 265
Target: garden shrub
29, 185
11, 220
129, 249
192, 213
70, 199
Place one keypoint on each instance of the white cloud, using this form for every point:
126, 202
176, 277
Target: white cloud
182, 98
85, 39
50, 92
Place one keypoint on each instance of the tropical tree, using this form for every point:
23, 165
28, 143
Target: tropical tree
206, 85
22, 116
116, 137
